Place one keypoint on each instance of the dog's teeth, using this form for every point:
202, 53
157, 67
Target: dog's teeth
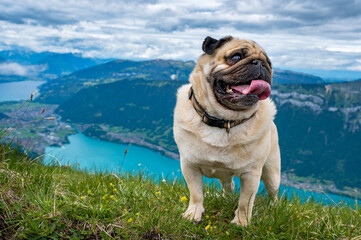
229, 90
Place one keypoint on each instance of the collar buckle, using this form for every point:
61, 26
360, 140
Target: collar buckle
228, 126
204, 119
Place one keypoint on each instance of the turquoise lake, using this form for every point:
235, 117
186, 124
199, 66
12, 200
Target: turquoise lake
93, 154
15, 91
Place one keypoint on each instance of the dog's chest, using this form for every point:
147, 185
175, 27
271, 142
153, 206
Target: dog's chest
221, 162
216, 169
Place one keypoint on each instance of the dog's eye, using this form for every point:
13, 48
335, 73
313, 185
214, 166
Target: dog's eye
236, 57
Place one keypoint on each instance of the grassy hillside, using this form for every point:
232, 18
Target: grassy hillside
61, 202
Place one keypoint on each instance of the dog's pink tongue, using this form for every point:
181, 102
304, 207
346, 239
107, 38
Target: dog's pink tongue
260, 88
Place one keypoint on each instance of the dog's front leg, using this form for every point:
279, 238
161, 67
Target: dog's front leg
194, 179
249, 187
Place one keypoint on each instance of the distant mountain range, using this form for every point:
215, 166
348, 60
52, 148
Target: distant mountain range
59, 64
290, 77
319, 124
332, 75
44, 65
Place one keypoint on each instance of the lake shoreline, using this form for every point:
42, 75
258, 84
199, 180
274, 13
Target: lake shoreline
125, 138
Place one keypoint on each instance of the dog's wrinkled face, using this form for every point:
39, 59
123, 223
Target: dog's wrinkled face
241, 72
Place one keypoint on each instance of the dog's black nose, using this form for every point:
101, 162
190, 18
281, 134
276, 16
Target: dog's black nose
257, 62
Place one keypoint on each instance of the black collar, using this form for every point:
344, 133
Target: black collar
213, 121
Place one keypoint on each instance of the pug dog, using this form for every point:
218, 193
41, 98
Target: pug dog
223, 124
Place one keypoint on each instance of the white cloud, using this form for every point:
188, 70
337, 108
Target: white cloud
16, 69
345, 49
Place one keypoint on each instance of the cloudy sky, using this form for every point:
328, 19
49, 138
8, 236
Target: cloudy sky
296, 34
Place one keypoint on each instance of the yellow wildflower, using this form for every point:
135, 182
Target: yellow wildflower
130, 220
111, 184
82, 197
183, 199
157, 193
111, 196
208, 226
114, 190
89, 191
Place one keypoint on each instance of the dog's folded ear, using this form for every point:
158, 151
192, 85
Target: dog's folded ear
210, 44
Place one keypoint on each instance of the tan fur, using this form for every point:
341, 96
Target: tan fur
249, 151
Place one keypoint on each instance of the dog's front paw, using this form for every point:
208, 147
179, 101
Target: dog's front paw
240, 221
194, 212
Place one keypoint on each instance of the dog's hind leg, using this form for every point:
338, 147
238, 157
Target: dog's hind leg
271, 179
271, 172
249, 186
194, 179
227, 185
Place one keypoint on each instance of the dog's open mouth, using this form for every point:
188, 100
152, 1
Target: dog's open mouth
258, 87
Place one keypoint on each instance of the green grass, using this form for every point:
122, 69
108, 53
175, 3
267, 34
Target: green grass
40, 202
